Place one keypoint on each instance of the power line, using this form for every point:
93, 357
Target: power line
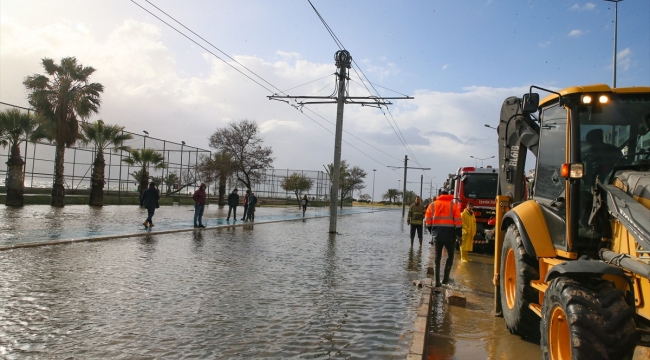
295, 87
252, 72
341, 47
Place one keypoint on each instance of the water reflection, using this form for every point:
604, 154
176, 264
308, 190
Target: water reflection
415, 259
284, 290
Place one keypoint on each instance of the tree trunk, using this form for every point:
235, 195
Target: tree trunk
298, 198
222, 189
58, 190
15, 178
97, 186
144, 181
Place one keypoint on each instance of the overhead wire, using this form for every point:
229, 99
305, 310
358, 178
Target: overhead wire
341, 47
238, 70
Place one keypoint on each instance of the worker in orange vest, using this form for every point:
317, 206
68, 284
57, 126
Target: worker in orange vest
447, 226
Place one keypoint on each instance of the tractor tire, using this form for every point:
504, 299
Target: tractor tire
586, 319
517, 270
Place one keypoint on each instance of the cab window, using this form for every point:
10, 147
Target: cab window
552, 153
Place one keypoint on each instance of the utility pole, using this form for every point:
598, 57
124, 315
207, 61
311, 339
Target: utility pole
406, 159
343, 61
421, 181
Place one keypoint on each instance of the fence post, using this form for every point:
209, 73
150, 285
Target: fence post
33, 159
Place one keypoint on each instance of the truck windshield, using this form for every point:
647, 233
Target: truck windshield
614, 133
483, 186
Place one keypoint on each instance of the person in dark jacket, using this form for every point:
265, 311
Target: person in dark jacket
248, 191
304, 203
251, 203
233, 201
199, 205
149, 201
415, 218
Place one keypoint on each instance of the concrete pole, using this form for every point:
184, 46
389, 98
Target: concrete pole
406, 160
421, 182
343, 60
372, 199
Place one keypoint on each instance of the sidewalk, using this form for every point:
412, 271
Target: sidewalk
43, 224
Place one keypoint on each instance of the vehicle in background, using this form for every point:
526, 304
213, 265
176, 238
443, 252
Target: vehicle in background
479, 187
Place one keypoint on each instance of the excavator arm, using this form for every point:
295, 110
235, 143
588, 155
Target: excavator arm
518, 133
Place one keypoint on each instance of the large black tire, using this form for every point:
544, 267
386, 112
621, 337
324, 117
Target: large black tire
600, 322
520, 319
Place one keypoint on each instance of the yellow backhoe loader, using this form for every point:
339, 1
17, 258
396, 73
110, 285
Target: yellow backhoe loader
572, 261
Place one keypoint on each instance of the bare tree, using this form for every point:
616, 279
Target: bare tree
241, 140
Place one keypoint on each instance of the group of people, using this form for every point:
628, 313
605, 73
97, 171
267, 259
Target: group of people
150, 197
250, 201
447, 226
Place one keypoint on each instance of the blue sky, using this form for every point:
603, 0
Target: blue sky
460, 59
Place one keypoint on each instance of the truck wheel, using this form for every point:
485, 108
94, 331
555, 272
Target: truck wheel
586, 319
517, 270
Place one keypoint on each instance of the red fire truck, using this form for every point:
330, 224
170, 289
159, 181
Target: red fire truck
479, 187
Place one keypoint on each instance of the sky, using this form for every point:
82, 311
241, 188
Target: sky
458, 59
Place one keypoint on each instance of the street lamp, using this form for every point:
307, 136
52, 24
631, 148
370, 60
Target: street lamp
475, 158
491, 127
146, 133
372, 200
615, 34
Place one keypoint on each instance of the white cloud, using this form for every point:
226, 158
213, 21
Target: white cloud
275, 124
624, 59
575, 33
544, 44
381, 71
445, 66
585, 7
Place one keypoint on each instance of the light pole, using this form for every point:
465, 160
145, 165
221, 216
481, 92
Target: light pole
615, 34
491, 127
372, 200
475, 158
146, 133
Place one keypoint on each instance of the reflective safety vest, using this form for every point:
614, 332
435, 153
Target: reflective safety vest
428, 215
446, 212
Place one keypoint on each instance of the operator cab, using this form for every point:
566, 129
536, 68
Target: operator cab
605, 131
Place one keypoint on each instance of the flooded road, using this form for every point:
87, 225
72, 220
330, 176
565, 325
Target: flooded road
472, 332
281, 290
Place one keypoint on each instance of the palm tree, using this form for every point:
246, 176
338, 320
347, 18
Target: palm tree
102, 136
63, 97
17, 127
392, 194
145, 158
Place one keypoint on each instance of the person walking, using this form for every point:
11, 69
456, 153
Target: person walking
199, 205
149, 201
252, 202
469, 231
304, 203
248, 192
414, 219
447, 226
233, 201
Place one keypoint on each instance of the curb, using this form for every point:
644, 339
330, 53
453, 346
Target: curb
418, 347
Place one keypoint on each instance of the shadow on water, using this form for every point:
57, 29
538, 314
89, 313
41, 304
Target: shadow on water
415, 259
197, 239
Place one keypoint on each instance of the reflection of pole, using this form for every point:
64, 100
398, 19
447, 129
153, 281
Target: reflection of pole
372, 200
406, 160
343, 61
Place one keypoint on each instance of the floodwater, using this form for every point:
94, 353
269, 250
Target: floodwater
472, 332
43, 223
279, 290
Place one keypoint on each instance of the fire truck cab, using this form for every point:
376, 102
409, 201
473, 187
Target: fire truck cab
479, 187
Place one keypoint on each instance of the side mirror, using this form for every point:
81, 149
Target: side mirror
530, 102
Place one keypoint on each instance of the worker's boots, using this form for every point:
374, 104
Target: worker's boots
412, 241
437, 275
446, 279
